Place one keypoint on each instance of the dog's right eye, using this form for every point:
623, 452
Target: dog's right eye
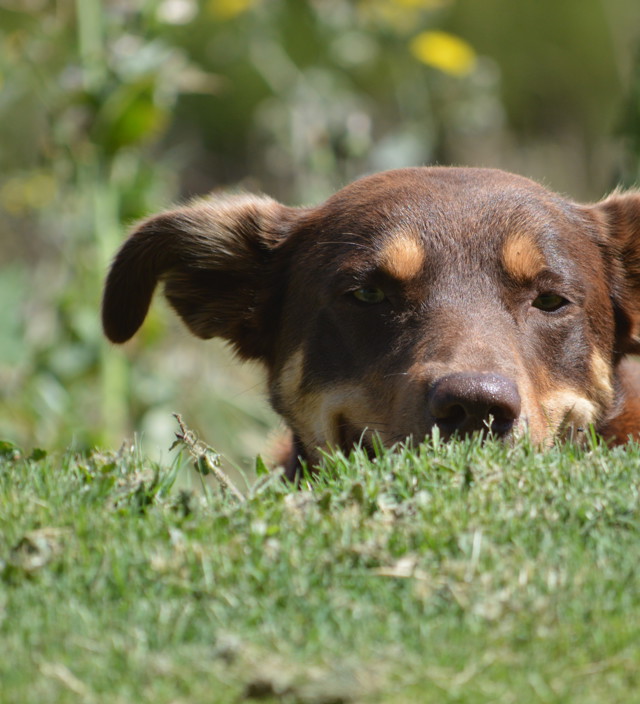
549, 302
369, 294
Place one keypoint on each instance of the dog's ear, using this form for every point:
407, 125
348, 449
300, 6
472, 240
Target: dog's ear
217, 259
620, 214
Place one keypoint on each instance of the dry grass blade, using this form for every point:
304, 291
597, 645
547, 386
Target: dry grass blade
205, 459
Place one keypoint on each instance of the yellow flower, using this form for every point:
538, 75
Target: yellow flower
444, 51
228, 9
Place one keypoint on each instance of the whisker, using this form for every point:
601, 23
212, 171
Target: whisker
356, 245
367, 425
401, 437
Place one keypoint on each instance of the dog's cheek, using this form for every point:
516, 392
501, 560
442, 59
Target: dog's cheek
337, 418
348, 345
567, 412
332, 414
571, 409
559, 399
286, 383
601, 377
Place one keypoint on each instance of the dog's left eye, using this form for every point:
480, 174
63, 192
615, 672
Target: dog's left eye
369, 294
549, 302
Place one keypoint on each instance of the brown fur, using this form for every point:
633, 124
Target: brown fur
460, 298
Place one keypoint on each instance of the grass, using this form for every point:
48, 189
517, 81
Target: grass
447, 573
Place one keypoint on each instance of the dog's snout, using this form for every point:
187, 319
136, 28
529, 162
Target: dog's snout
468, 401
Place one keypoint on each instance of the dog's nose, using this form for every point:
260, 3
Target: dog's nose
470, 401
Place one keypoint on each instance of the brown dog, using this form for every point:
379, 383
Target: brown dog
460, 298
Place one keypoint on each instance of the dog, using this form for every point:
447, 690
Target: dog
471, 300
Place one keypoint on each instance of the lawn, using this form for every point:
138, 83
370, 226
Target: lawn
453, 572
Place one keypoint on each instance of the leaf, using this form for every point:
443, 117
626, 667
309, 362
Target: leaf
261, 468
9, 451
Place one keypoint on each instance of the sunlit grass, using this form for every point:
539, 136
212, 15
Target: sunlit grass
452, 573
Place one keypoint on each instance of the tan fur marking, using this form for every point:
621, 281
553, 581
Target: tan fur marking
319, 414
601, 379
521, 257
568, 409
403, 256
316, 414
532, 420
290, 379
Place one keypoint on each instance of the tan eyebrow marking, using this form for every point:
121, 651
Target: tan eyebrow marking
521, 257
402, 256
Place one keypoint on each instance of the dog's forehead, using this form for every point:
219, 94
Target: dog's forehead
436, 196
398, 220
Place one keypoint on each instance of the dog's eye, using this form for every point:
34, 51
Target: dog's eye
369, 294
549, 302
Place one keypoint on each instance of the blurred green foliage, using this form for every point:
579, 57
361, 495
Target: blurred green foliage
111, 109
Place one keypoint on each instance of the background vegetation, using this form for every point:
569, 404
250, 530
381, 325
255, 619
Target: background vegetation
110, 109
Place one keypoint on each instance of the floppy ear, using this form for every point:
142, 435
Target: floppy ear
217, 258
621, 214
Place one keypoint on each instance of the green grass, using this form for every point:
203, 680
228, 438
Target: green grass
450, 573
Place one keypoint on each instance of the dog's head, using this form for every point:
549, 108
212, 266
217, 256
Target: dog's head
460, 298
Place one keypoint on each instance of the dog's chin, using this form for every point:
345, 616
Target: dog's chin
350, 435
482, 434
506, 431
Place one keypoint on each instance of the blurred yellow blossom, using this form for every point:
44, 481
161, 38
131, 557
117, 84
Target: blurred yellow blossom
228, 9
444, 51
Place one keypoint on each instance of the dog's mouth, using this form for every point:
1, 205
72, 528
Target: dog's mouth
349, 436
491, 427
